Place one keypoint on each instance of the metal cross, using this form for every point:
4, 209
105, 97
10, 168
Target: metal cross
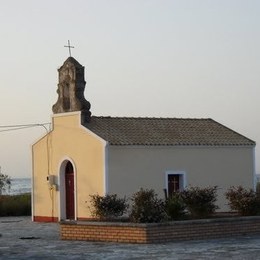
69, 46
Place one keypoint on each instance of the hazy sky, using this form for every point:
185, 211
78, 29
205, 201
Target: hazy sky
189, 59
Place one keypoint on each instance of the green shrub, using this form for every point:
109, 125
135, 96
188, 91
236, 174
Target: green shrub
108, 206
15, 205
200, 202
147, 207
175, 207
246, 202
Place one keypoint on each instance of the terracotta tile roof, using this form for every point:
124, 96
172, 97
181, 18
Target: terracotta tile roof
165, 131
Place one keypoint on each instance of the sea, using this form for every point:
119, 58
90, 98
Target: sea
19, 186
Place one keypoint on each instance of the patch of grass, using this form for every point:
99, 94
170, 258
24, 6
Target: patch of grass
15, 205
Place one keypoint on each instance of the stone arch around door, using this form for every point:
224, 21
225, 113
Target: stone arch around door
67, 190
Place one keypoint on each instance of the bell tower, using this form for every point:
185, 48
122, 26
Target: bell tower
70, 90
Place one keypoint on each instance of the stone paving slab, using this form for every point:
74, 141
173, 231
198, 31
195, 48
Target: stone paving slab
23, 239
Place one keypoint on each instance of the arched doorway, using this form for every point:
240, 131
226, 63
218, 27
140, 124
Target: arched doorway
69, 191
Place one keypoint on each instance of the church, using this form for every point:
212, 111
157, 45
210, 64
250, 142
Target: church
85, 154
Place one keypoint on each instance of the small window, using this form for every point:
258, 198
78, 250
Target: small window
175, 181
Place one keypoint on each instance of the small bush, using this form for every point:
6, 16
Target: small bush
147, 207
175, 207
246, 202
200, 202
108, 206
15, 205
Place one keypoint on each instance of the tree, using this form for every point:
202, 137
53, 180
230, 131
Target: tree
5, 182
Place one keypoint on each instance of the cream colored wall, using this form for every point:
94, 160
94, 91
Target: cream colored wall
68, 141
130, 168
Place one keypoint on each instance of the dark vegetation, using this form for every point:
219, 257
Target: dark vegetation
191, 203
107, 207
146, 207
245, 202
15, 205
175, 207
200, 202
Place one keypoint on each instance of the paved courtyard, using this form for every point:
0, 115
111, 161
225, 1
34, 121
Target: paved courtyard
22, 239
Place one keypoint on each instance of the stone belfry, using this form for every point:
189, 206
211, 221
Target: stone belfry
70, 90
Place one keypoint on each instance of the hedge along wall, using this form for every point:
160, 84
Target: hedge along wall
161, 232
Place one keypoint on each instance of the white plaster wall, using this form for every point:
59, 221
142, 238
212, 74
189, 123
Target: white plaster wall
130, 168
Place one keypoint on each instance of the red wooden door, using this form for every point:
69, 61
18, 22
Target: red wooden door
173, 183
69, 186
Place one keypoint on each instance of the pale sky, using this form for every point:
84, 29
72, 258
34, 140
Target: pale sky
149, 58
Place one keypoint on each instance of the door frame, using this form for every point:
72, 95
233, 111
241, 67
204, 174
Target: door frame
62, 190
